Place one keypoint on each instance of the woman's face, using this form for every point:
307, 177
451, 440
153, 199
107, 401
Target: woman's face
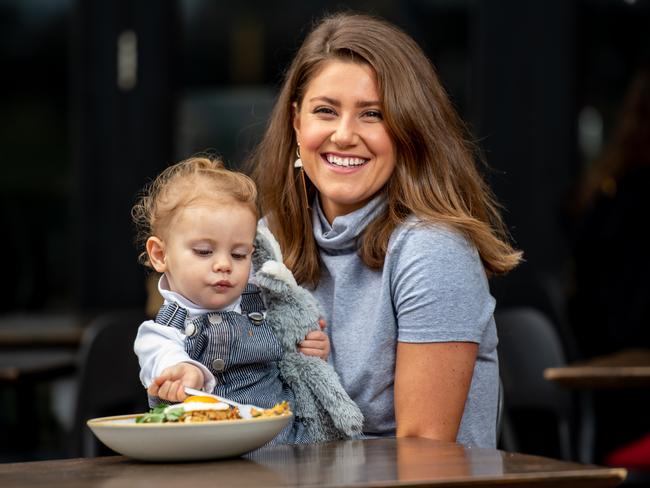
344, 143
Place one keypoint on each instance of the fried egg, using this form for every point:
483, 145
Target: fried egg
198, 403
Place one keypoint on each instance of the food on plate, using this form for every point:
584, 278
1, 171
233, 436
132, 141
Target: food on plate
275, 411
193, 409
204, 409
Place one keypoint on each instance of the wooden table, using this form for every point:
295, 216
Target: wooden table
368, 463
35, 349
41, 330
21, 372
35, 365
629, 368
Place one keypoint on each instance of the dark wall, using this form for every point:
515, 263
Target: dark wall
523, 113
79, 143
123, 120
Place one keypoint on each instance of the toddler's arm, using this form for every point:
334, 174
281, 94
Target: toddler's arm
158, 348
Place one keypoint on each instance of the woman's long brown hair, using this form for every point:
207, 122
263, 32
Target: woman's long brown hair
435, 176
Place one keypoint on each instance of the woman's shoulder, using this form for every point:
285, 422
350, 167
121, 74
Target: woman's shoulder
416, 234
433, 251
435, 274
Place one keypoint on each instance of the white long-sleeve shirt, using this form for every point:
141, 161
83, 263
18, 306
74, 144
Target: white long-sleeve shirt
158, 346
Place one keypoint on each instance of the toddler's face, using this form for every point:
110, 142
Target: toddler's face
207, 253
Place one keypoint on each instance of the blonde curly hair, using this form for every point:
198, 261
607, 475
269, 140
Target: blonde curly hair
189, 181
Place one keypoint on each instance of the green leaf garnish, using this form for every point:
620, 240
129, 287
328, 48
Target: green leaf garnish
174, 414
158, 415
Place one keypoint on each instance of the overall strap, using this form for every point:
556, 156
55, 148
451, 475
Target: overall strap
251, 300
252, 305
172, 314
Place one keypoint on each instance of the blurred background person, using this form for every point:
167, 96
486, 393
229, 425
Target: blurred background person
609, 298
610, 304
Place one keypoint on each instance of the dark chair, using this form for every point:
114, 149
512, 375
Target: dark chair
539, 417
108, 382
504, 430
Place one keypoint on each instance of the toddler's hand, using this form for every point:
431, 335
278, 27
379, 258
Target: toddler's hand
171, 383
316, 343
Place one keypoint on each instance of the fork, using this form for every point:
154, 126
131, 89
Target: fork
244, 409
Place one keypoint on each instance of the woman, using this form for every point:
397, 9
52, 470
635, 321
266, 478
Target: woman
384, 215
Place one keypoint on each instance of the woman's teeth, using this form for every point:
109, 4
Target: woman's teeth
345, 162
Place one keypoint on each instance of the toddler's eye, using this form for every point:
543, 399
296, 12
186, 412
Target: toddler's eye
239, 256
202, 252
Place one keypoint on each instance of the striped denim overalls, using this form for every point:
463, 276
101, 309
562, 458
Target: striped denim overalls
241, 351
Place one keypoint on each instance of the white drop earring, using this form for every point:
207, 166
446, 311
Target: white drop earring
298, 162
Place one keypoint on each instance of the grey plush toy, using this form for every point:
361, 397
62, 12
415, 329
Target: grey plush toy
321, 402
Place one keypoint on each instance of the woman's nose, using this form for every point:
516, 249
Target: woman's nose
346, 133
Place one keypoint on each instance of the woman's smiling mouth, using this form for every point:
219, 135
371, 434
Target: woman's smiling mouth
344, 161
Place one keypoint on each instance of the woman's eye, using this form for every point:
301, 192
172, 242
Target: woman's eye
202, 252
375, 114
324, 111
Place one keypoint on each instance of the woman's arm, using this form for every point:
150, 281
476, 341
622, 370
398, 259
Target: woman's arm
316, 343
431, 385
443, 307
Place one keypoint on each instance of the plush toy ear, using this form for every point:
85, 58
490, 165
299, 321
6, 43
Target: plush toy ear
266, 247
275, 271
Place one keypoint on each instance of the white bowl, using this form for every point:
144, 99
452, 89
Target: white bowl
185, 441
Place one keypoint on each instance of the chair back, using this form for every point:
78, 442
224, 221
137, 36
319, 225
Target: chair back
108, 381
528, 343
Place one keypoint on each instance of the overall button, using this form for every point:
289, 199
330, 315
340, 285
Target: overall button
218, 364
190, 329
215, 319
256, 317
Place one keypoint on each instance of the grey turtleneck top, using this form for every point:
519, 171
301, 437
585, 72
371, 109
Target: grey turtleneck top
432, 288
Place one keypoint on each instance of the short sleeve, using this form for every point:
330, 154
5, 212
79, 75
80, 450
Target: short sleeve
439, 287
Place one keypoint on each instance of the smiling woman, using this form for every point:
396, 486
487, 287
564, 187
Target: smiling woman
398, 233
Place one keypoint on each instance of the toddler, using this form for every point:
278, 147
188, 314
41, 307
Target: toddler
197, 222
